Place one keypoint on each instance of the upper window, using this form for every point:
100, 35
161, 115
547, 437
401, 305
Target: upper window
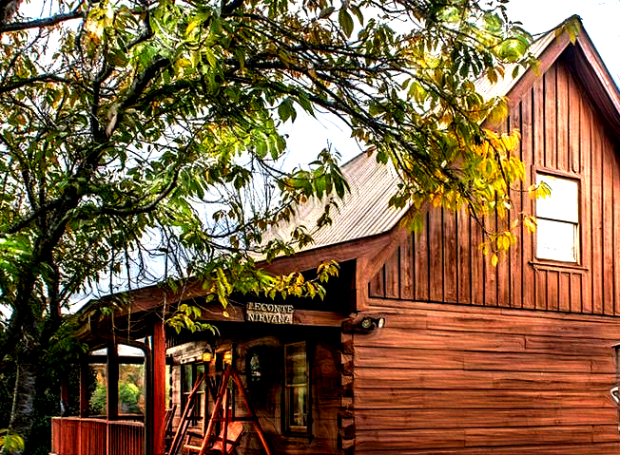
558, 220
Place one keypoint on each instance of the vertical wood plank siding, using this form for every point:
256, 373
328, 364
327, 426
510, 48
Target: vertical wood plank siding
561, 131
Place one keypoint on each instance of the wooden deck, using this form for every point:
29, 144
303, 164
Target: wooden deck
88, 436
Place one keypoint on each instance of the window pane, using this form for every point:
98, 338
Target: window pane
298, 406
98, 398
188, 382
131, 389
563, 204
556, 240
296, 364
200, 369
297, 388
130, 351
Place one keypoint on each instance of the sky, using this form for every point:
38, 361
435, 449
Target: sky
600, 18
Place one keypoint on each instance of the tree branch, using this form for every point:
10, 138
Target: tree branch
45, 22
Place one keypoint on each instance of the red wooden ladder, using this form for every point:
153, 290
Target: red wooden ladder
211, 442
186, 418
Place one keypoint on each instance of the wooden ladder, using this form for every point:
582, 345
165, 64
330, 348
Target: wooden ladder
222, 415
186, 417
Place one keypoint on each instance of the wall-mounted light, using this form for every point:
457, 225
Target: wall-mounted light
368, 323
228, 358
615, 395
207, 356
363, 324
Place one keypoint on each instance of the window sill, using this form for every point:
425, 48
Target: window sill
541, 264
296, 438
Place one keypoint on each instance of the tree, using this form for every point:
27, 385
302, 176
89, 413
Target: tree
144, 127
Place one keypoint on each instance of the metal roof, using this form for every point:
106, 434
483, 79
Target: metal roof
363, 212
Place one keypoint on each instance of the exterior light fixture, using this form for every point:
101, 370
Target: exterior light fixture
228, 358
369, 323
614, 392
207, 356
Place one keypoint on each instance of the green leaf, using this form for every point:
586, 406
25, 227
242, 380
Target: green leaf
326, 12
346, 22
210, 57
286, 110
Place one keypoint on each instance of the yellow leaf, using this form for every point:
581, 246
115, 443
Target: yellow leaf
191, 26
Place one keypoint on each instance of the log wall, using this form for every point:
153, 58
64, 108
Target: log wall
563, 133
448, 379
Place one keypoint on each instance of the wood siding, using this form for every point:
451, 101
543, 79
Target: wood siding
447, 379
531, 372
562, 133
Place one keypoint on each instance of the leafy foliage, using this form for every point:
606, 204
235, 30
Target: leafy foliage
130, 392
11, 442
139, 129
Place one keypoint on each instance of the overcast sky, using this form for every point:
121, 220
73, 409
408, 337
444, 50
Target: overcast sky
600, 18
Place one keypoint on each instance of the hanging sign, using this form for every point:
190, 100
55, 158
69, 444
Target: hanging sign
269, 313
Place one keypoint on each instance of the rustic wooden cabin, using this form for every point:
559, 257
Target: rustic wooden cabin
421, 346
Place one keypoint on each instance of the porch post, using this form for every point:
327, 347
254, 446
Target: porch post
84, 379
112, 372
159, 387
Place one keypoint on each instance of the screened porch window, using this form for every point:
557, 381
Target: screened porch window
557, 232
296, 388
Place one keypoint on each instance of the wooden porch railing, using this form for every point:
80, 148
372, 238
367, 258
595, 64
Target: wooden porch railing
80, 436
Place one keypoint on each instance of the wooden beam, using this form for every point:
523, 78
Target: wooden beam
308, 260
300, 317
112, 376
159, 387
122, 360
84, 380
547, 58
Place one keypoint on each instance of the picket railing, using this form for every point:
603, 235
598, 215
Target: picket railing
88, 436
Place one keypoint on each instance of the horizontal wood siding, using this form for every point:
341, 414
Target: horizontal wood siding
448, 379
561, 132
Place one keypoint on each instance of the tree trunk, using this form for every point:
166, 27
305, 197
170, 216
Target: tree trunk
22, 412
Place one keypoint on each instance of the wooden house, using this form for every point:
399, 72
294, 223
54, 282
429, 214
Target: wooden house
421, 346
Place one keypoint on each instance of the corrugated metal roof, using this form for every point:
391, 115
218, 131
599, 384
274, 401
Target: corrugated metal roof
365, 211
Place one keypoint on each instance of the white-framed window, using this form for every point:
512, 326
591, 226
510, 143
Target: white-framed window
557, 232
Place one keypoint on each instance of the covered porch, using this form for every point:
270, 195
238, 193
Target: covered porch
108, 427
309, 425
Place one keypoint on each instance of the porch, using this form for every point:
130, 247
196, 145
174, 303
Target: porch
298, 418
122, 407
